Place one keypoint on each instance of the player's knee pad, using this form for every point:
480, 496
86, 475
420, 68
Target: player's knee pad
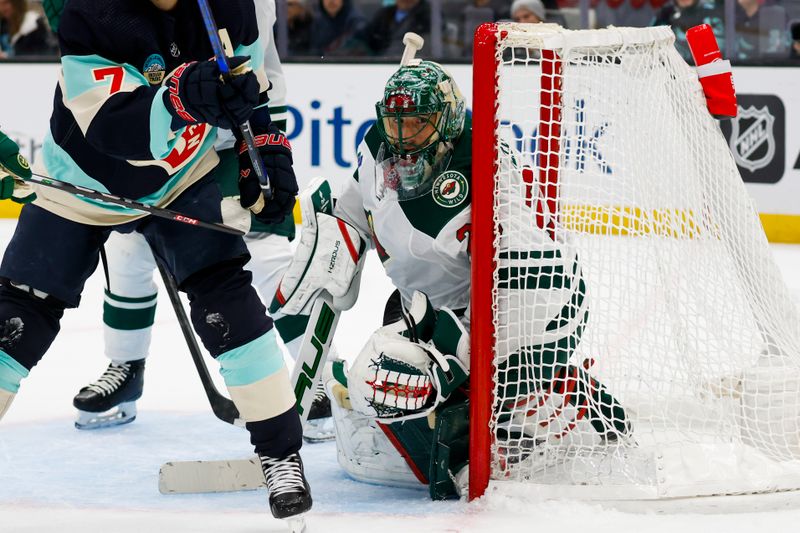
225, 308
29, 322
6, 398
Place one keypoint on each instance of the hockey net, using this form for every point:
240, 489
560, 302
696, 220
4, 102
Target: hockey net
653, 351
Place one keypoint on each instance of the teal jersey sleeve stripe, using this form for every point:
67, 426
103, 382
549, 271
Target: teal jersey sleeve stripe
85, 73
161, 127
256, 52
252, 362
11, 373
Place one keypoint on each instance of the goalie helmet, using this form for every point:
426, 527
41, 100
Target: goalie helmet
420, 117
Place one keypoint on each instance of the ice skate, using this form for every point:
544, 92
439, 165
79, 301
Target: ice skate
319, 426
111, 400
289, 493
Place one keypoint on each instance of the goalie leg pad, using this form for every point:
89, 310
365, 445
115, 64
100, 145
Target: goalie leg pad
363, 449
549, 398
450, 452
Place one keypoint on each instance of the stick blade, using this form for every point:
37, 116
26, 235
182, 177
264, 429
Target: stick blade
197, 477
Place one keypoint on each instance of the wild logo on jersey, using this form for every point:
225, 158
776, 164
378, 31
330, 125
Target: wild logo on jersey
154, 69
378, 247
450, 189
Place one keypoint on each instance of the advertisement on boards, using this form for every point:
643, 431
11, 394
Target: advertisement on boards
332, 106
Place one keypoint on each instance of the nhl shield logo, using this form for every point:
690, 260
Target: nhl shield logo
450, 189
752, 138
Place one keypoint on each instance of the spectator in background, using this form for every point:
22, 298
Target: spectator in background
795, 33
298, 20
24, 32
384, 33
633, 13
683, 14
458, 38
760, 30
334, 23
531, 11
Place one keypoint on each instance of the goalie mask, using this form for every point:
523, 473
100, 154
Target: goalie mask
420, 116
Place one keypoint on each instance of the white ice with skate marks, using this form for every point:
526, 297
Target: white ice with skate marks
54, 478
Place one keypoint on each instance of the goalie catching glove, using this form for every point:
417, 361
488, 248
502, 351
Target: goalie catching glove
14, 170
409, 367
329, 257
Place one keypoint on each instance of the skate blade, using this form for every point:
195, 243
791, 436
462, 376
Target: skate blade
124, 413
319, 430
296, 523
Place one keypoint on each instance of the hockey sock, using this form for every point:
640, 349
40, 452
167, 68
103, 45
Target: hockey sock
128, 325
278, 436
257, 378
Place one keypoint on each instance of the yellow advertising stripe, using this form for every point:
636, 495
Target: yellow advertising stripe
603, 219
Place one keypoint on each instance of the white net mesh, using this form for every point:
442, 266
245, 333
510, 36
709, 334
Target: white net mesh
644, 337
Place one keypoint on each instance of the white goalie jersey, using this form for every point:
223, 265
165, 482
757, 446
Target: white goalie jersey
424, 242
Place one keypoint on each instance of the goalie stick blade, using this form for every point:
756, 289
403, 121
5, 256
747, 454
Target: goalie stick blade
194, 477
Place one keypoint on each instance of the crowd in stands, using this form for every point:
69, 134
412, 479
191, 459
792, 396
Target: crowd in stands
765, 30
24, 31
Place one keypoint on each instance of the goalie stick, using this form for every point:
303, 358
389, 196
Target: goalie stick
180, 477
223, 407
161, 212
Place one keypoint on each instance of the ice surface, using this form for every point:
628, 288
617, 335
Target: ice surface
54, 478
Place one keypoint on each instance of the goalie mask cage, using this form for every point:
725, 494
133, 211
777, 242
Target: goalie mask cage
673, 365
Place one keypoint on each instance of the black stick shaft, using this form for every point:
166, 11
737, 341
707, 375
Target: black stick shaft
160, 212
223, 407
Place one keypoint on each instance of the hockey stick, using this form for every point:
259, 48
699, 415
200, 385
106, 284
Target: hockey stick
246, 131
179, 477
223, 407
77, 190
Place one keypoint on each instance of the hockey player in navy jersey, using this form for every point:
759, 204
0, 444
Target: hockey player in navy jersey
135, 113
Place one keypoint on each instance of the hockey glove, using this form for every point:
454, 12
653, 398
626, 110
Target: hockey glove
276, 152
14, 169
197, 93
